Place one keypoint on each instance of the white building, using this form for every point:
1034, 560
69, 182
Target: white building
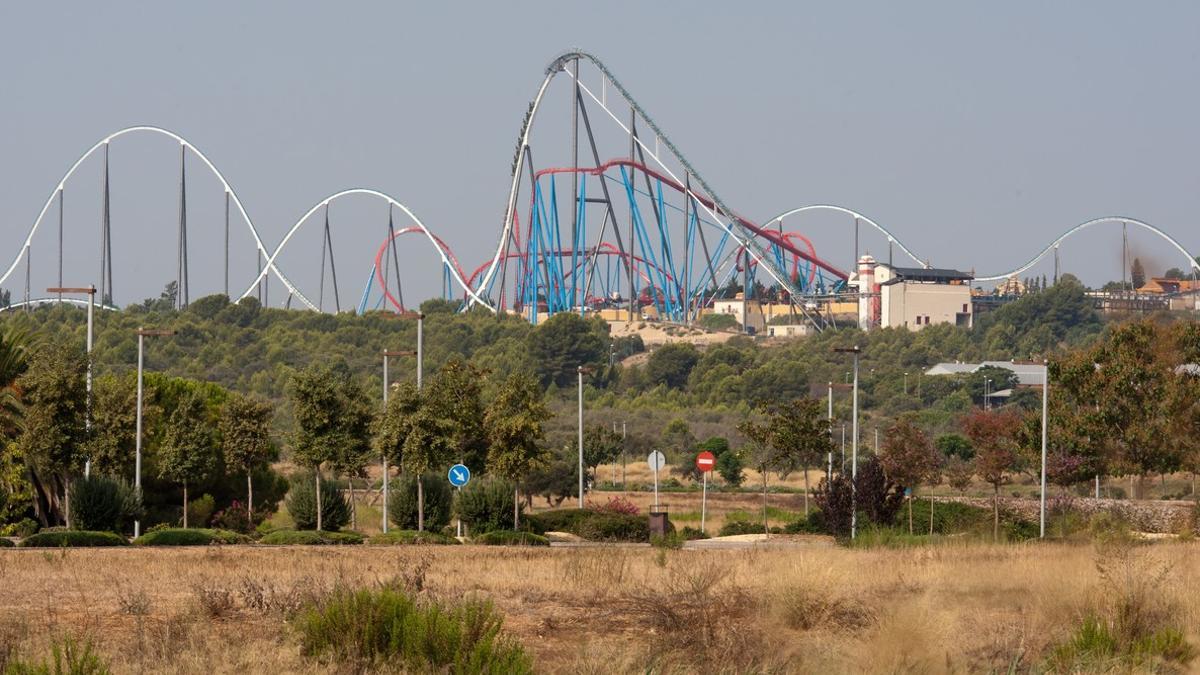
911, 297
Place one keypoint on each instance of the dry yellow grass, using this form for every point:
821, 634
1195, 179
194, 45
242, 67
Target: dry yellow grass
943, 609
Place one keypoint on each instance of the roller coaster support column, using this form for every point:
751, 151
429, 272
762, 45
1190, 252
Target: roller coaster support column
575, 243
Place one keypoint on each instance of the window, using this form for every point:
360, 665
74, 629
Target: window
966, 308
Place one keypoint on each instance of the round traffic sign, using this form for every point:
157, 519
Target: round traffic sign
657, 461
459, 475
705, 461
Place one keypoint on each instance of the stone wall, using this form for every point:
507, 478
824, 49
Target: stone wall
1164, 516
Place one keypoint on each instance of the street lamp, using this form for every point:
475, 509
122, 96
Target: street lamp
580, 371
142, 334
906, 384
90, 290
987, 393
856, 351
1045, 410
386, 387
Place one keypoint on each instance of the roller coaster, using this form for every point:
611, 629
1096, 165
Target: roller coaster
630, 227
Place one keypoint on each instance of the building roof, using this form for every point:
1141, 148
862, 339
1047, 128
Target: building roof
1164, 285
1028, 374
934, 274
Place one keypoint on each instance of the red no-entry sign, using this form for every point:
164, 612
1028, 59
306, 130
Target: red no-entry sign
705, 461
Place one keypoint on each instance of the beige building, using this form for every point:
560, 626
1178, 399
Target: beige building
911, 297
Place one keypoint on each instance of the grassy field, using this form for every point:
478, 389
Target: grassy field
948, 608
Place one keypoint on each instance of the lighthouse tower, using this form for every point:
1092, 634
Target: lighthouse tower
868, 294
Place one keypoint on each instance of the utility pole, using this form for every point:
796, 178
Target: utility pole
580, 370
856, 351
1045, 411
90, 290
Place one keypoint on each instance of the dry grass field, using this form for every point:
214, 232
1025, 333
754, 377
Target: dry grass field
949, 608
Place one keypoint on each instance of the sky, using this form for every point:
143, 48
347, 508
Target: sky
975, 132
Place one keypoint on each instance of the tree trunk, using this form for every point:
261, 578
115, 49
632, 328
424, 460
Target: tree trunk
516, 509
185, 520
249, 499
806, 492
910, 524
420, 505
996, 513
67, 502
353, 506
931, 515
766, 528
317, 473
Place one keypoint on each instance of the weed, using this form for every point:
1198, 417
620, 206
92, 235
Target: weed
66, 658
214, 601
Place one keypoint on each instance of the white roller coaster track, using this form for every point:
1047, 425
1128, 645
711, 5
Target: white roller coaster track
186, 144
446, 261
1122, 220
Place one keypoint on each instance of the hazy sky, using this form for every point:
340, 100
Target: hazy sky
974, 131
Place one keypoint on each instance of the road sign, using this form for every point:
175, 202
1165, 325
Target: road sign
459, 475
657, 461
705, 461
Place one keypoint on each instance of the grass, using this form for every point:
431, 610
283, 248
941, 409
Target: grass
976, 608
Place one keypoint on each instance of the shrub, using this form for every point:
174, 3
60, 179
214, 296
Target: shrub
510, 538
591, 525
692, 533
397, 537
486, 505
101, 503
200, 510
557, 520
302, 504
618, 504
310, 537
22, 528
367, 629
234, 518
66, 657
735, 527
177, 536
74, 538
6, 543
730, 466
674, 541
439, 501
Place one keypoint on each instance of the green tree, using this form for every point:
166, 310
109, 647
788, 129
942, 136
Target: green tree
414, 434
114, 423
187, 454
456, 392
954, 445
514, 422
1137, 273
798, 434
601, 445
333, 419
54, 390
564, 342
246, 439
671, 364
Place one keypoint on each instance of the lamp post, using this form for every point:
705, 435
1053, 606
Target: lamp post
906, 384
856, 351
580, 371
90, 290
987, 393
142, 334
1045, 411
829, 455
387, 354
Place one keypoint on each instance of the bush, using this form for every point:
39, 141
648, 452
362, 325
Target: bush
486, 505
730, 466
618, 504
591, 525
439, 502
510, 538
101, 503
22, 528
234, 518
693, 533
67, 657
302, 504
399, 537
370, 629
178, 536
736, 527
6, 543
557, 520
200, 510
74, 538
309, 537
674, 541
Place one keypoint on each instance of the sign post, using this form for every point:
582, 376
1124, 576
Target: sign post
705, 462
459, 475
657, 461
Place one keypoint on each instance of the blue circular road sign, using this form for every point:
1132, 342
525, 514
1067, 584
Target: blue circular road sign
459, 475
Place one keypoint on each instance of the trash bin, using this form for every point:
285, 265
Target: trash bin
659, 524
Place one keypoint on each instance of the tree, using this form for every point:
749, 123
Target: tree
187, 454
114, 423
564, 342
909, 459
332, 416
1137, 273
993, 436
456, 392
415, 434
731, 468
246, 439
798, 434
514, 422
671, 364
601, 445
758, 435
954, 445
54, 391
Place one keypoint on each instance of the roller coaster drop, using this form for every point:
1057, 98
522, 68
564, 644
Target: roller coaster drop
680, 243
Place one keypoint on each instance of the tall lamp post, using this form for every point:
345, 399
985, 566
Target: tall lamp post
419, 353
90, 290
1045, 415
581, 371
856, 351
142, 334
